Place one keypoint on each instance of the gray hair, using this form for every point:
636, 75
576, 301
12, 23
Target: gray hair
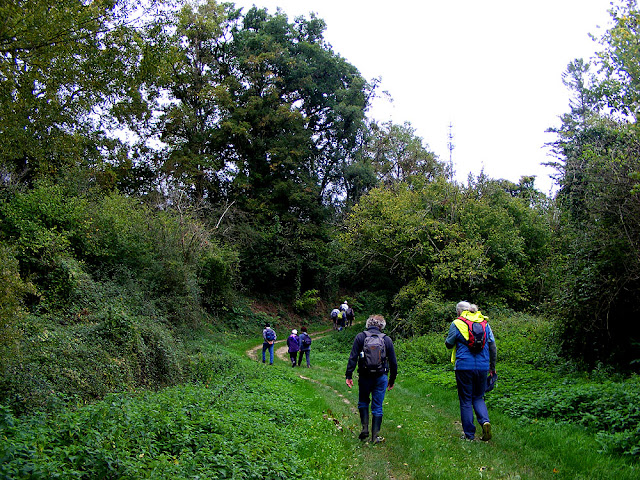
377, 321
462, 306
473, 308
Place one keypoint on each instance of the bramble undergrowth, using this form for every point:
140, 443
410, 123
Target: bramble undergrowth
250, 421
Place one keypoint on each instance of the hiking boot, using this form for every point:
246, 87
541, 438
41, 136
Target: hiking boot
486, 431
467, 438
364, 420
376, 422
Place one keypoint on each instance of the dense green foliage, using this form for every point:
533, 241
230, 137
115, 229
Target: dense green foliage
160, 166
435, 241
598, 201
227, 425
108, 281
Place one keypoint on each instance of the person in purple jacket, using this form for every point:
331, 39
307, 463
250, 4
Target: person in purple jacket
472, 363
293, 342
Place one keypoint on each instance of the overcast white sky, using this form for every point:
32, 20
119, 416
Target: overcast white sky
490, 68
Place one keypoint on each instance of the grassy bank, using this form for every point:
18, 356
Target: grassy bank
238, 418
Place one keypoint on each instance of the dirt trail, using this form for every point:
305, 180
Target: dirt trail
283, 354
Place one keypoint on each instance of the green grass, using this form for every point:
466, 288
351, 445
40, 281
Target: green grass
241, 419
422, 430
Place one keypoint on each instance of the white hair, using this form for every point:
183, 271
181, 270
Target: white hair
376, 321
462, 306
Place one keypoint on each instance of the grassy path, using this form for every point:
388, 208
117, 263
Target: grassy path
422, 429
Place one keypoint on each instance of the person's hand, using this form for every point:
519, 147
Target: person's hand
492, 373
389, 387
349, 382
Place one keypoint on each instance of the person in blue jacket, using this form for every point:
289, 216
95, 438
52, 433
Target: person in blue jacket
269, 338
472, 368
305, 346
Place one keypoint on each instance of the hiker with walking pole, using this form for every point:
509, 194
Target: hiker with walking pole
474, 356
375, 357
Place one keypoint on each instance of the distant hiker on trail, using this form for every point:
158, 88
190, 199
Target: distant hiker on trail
305, 346
334, 317
269, 336
293, 342
474, 354
341, 320
375, 356
349, 315
344, 306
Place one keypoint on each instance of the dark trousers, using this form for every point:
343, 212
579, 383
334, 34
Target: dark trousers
372, 390
471, 387
306, 354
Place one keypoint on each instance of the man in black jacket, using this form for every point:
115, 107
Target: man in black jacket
375, 356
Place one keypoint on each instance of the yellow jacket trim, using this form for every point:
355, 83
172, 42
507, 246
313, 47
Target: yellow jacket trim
464, 330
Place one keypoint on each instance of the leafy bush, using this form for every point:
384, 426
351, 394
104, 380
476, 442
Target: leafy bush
307, 301
83, 362
420, 312
373, 302
12, 313
229, 429
418, 351
523, 338
609, 409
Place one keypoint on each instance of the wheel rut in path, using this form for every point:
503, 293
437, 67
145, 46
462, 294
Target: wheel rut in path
283, 354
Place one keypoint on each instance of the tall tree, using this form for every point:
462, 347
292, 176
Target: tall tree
60, 63
598, 148
263, 114
400, 155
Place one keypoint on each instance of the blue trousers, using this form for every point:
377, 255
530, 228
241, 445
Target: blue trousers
372, 390
266, 346
471, 386
306, 354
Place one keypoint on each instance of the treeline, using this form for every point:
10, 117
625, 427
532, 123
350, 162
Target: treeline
159, 164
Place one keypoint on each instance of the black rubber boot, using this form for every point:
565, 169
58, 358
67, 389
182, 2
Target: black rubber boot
364, 420
376, 422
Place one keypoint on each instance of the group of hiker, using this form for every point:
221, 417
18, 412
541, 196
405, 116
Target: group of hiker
473, 354
342, 316
298, 346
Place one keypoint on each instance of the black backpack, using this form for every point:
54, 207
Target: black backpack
374, 353
306, 339
477, 334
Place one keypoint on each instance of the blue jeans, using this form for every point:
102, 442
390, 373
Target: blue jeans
372, 389
306, 354
266, 346
471, 386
